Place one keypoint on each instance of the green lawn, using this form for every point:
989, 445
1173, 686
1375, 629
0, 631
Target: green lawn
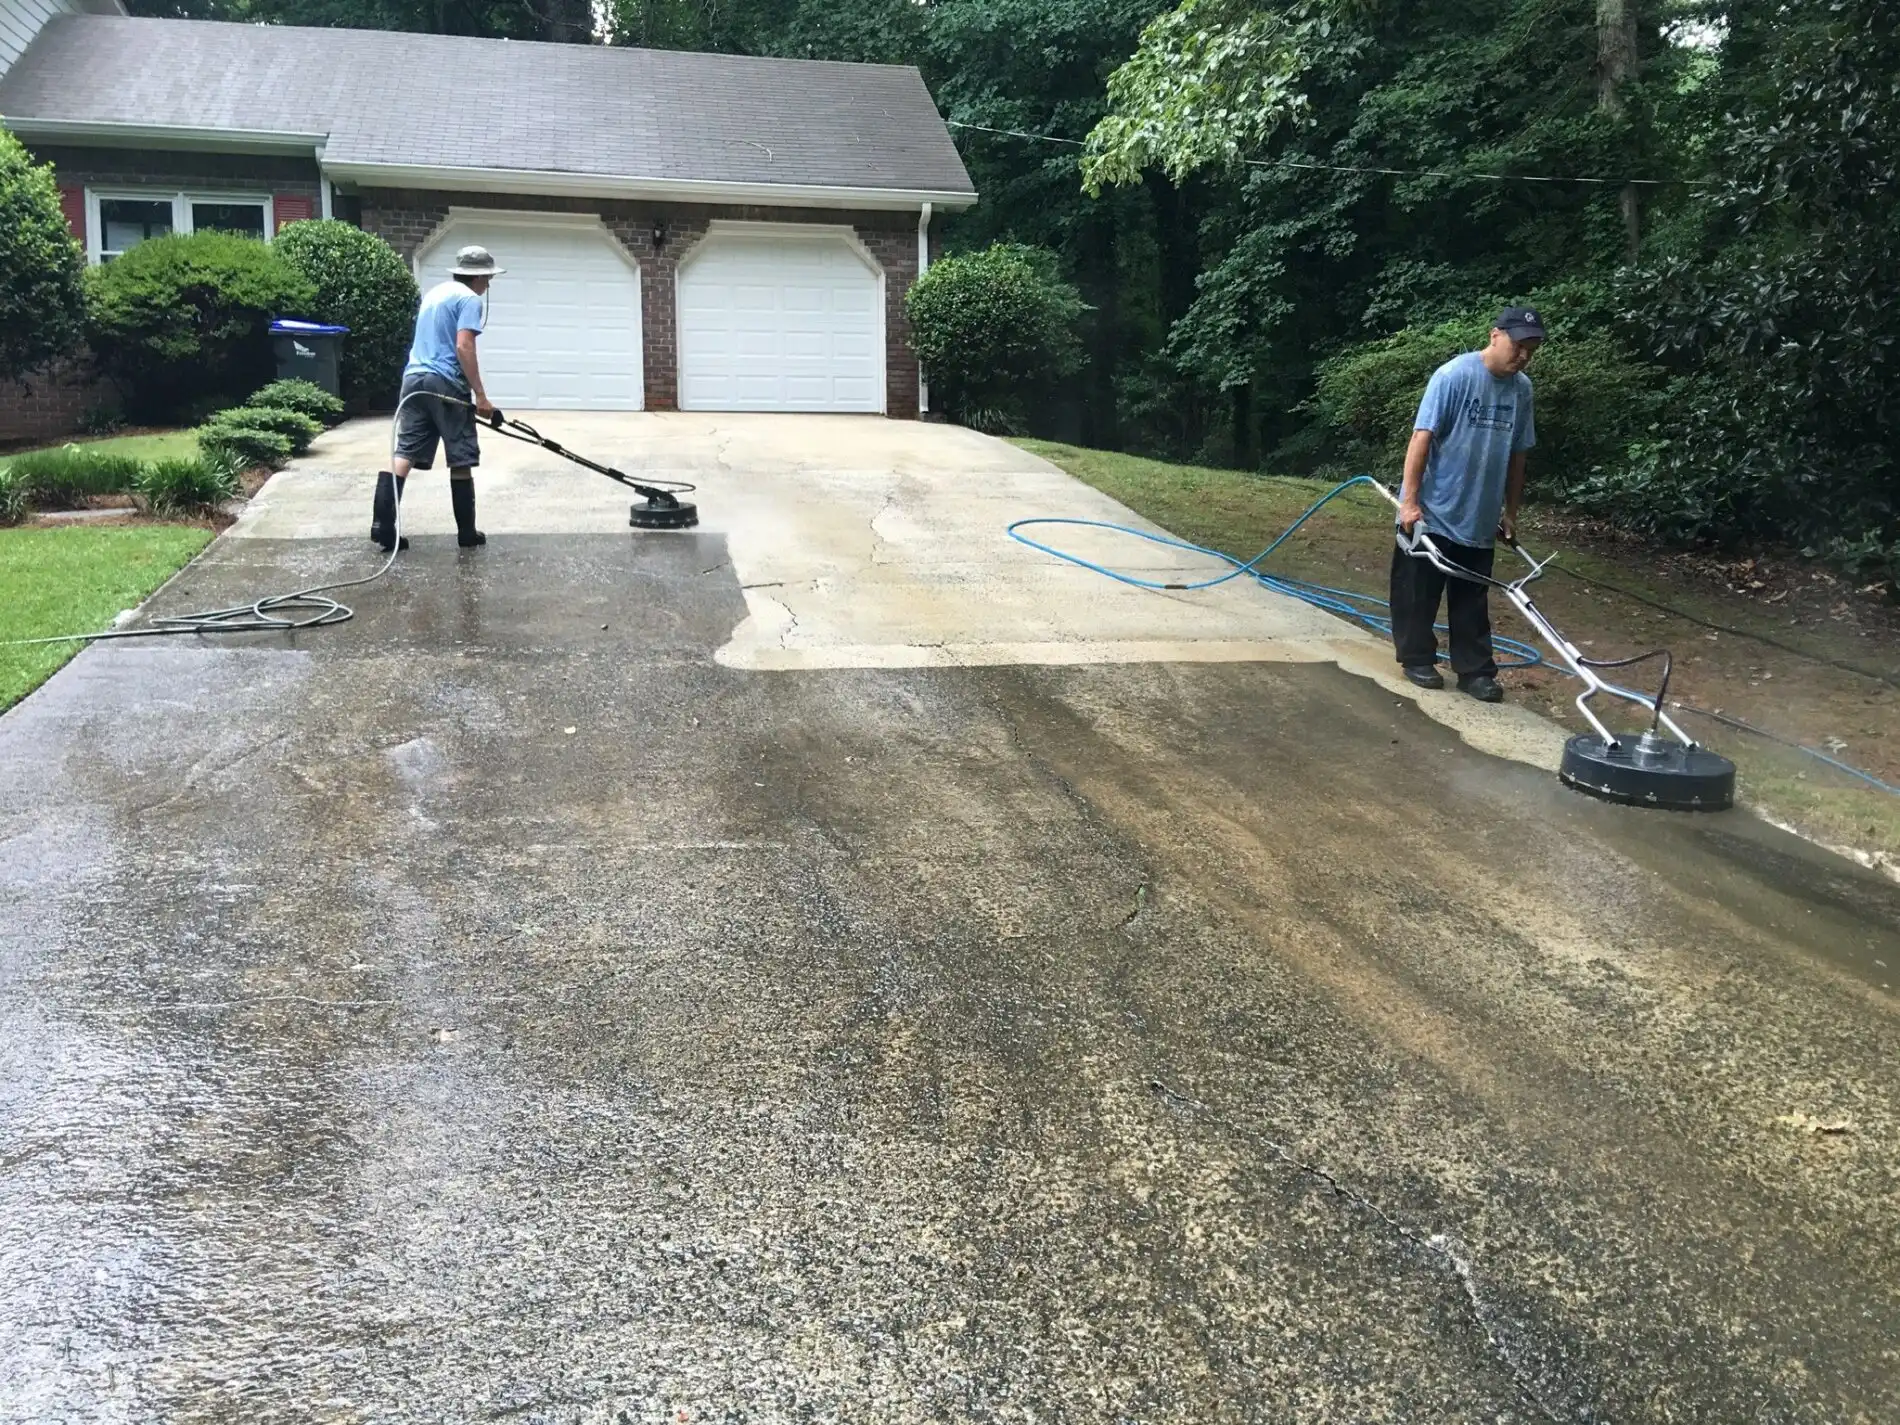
153, 445
70, 579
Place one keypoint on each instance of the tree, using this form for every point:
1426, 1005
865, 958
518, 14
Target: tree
993, 329
42, 296
362, 284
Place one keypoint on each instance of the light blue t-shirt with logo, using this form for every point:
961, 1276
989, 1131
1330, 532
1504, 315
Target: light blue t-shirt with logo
447, 308
1478, 422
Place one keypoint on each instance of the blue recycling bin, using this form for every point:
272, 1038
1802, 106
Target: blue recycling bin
309, 351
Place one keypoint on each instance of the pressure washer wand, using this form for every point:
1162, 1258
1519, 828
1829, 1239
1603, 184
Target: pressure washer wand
1420, 545
661, 508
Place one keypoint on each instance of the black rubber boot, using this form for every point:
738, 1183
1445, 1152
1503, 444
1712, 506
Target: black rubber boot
382, 520
462, 497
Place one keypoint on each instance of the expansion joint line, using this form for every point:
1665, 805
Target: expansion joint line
1438, 1245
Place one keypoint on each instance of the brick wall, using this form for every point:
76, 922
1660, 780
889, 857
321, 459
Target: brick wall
407, 219
49, 404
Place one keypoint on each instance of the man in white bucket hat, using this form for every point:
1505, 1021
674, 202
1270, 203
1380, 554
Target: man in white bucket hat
442, 364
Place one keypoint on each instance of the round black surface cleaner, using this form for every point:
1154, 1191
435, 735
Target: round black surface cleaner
663, 512
1648, 771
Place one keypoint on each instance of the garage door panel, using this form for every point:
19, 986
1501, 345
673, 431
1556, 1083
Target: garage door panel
776, 322
564, 328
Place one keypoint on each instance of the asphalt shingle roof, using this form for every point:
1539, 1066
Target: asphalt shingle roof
451, 101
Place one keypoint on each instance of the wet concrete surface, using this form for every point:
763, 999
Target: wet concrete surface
475, 1013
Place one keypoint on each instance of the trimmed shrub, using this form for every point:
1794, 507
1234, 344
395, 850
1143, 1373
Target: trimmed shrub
359, 283
42, 270
182, 317
299, 428
177, 485
304, 397
71, 473
239, 447
994, 329
1592, 401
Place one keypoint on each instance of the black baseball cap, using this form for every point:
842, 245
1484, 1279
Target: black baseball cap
1520, 323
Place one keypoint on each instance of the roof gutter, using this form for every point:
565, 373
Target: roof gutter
672, 190
116, 135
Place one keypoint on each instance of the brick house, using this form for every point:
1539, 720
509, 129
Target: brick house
682, 231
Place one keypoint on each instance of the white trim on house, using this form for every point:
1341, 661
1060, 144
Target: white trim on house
115, 135
181, 201
923, 266
548, 183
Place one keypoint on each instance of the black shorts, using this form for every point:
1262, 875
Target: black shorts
422, 422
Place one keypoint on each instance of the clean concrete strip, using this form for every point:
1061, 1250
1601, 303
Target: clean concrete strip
866, 543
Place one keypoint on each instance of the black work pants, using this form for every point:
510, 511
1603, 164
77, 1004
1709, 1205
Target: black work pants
1416, 589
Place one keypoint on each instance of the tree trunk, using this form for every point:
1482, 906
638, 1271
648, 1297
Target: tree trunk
1244, 455
1617, 60
570, 21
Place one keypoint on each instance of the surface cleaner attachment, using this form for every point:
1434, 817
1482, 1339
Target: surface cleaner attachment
1660, 767
661, 506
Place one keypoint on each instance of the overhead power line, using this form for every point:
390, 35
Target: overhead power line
1364, 168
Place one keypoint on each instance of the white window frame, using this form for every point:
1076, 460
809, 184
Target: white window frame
181, 201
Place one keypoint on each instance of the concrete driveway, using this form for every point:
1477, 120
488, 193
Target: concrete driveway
836, 965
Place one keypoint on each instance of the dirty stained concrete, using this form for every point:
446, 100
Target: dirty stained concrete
506, 1007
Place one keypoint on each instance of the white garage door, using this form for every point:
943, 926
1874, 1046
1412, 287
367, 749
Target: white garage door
779, 320
564, 320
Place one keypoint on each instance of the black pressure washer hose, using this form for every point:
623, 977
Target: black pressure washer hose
313, 607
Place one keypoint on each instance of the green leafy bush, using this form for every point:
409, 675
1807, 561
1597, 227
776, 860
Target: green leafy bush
71, 473
177, 485
304, 397
299, 428
993, 329
359, 283
1593, 402
182, 317
13, 498
42, 288
241, 446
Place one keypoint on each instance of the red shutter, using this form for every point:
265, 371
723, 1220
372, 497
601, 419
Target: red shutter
291, 208
72, 202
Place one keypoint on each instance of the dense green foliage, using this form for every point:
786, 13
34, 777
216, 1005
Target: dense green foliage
181, 486
363, 285
234, 441
305, 397
67, 476
182, 318
1277, 211
42, 295
995, 330
298, 428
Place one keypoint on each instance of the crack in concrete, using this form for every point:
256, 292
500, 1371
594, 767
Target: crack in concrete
1438, 1244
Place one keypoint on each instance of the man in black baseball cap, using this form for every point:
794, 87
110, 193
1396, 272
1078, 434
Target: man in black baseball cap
1464, 478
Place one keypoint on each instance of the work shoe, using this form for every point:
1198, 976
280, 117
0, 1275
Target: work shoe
1423, 675
462, 497
382, 518
1485, 690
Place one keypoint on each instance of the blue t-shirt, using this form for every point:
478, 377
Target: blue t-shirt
447, 308
1478, 422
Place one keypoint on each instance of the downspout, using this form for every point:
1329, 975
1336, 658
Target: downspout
324, 210
923, 266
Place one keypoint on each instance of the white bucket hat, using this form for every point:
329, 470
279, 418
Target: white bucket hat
475, 262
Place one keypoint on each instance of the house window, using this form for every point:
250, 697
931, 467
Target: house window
121, 221
127, 222
244, 219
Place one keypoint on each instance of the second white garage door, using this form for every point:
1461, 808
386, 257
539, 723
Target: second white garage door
775, 319
564, 320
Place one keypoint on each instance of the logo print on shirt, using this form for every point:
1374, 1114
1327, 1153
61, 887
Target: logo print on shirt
1500, 416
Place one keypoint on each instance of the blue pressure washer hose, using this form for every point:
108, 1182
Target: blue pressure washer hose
1350, 604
